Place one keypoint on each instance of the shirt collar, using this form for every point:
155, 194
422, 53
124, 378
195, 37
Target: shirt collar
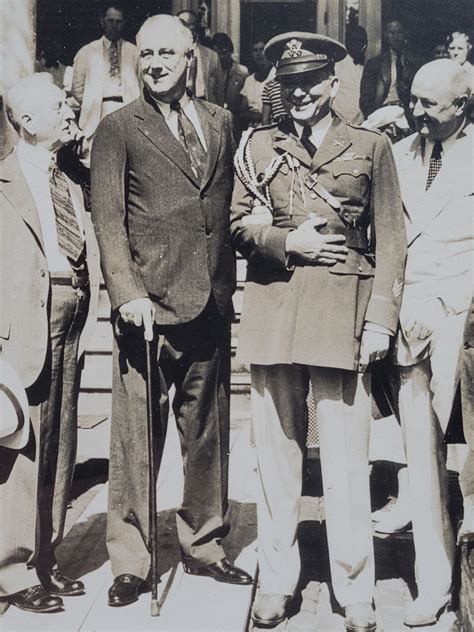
316, 130
446, 143
165, 108
107, 43
35, 155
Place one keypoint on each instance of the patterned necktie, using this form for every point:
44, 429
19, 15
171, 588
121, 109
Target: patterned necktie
190, 141
307, 142
70, 240
435, 163
114, 60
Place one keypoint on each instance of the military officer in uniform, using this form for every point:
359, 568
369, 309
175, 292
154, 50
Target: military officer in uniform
317, 212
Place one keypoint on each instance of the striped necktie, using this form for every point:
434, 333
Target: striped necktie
435, 163
70, 239
190, 141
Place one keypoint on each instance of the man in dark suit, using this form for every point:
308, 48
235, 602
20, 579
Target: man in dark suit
317, 309
387, 78
49, 300
161, 187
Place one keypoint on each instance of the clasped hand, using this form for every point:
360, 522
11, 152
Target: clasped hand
374, 346
311, 246
423, 318
139, 311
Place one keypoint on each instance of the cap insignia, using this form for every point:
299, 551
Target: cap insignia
294, 48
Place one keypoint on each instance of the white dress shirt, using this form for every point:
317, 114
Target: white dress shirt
171, 117
318, 131
34, 162
112, 85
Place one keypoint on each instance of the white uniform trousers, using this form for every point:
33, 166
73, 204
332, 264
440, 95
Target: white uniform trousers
426, 398
279, 416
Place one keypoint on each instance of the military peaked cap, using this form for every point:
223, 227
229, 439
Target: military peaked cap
296, 52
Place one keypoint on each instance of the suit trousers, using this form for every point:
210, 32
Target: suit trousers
343, 410
195, 358
60, 383
425, 400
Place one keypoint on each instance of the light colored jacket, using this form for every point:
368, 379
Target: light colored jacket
88, 81
438, 224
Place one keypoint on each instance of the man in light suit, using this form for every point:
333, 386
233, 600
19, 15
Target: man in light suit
105, 72
49, 293
209, 74
435, 167
161, 187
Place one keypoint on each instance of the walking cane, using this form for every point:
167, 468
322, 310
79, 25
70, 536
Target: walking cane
153, 524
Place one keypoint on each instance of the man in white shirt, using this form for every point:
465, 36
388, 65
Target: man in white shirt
435, 167
105, 72
49, 285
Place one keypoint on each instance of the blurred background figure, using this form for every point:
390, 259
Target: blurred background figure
231, 78
208, 69
50, 60
439, 51
349, 70
386, 79
272, 107
105, 72
459, 48
251, 103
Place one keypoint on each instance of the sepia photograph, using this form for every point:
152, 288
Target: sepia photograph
236, 315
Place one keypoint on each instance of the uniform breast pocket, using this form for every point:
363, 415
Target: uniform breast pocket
352, 177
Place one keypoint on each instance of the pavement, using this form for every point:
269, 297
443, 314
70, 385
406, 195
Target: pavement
195, 604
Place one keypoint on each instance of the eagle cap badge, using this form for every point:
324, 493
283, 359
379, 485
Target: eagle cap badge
294, 48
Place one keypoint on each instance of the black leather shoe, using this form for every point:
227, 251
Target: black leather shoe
36, 599
56, 583
221, 571
125, 590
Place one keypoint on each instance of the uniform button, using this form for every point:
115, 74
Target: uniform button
313, 195
359, 268
43, 272
355, 171
203, 196
41, 303
467, 345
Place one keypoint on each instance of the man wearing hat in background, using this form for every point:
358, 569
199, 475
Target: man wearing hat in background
49, 289
316, 201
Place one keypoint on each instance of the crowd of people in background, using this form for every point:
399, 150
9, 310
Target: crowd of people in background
390, 139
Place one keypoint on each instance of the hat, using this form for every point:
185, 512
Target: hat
14, 411
296, 52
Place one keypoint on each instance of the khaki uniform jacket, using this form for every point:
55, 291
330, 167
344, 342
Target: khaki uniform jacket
311, 314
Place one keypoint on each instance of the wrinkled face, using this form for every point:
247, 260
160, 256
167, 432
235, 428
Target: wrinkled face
458, 49
434, 108
257, 54
163, 61
306, 96
49, 119
112, 24
394, 36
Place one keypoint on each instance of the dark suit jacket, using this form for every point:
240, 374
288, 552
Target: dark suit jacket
376, 80
162, 232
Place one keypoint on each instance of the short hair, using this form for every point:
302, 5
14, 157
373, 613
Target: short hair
222, 41
173, 22
22, 94
355, 35
456, 35
111, 4
189, 12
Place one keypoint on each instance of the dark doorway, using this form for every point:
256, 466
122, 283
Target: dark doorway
266, 19
428, 22
73, 23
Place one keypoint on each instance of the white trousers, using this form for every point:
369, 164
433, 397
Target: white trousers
426, 398
279, 415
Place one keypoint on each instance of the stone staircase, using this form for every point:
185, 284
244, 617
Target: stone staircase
96, 382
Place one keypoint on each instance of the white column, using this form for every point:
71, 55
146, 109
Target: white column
17, 40
330, 18
370, 17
